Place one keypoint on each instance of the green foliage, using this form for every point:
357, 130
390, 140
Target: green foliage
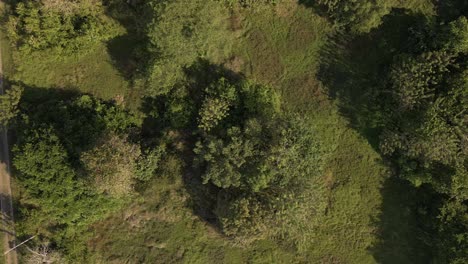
225, 159
452, 237
111, 165
212, 111
361, 16
80, 121
52, 136
269, 171
179, 34
149, 163
429, 119
242, 216
458, 35
66, 27
425, 134
57, 204
414, 80
9, 104
257, 157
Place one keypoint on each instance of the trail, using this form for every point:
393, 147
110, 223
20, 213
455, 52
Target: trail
6, 204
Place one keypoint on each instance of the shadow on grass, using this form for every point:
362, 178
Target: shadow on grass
162, 121
403, 234
128, 51
354, 70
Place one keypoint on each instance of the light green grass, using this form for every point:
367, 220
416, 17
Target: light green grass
280, 47
161, 228
92, 73
273, 51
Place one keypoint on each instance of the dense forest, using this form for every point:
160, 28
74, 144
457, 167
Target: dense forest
238, 131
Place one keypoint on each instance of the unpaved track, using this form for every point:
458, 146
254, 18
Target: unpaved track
6, 204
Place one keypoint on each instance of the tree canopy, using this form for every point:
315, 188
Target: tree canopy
260, 158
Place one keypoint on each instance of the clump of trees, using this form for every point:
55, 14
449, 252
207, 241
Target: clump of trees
426, 128
64, 26
260, 159
57, 202
73, 158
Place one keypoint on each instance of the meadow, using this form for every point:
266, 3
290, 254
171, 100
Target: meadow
367, 215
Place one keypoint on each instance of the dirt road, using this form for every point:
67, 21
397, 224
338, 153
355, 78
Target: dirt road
6, 204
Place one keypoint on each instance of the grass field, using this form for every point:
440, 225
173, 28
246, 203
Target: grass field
93, 73
281, 47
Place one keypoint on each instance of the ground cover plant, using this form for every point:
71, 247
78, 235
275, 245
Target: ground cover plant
238, 131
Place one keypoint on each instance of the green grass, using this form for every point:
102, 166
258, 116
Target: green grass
160, 228
92, 73
281, 47
282, 51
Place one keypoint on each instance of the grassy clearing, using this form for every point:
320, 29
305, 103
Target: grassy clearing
160, 228
92, 73
278, 46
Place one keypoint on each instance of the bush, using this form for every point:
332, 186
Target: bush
111, 165
9, 104
64, 26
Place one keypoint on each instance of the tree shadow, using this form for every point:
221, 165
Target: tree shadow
128, 51
354, 67
354, 70
403, 236
452, 9
77, 121
159, 123
316, 6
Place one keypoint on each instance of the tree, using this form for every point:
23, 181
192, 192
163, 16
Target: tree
58, 202
415, 80
213, 111
429, 124
9, 104
80, 121
425, 134
260, 159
